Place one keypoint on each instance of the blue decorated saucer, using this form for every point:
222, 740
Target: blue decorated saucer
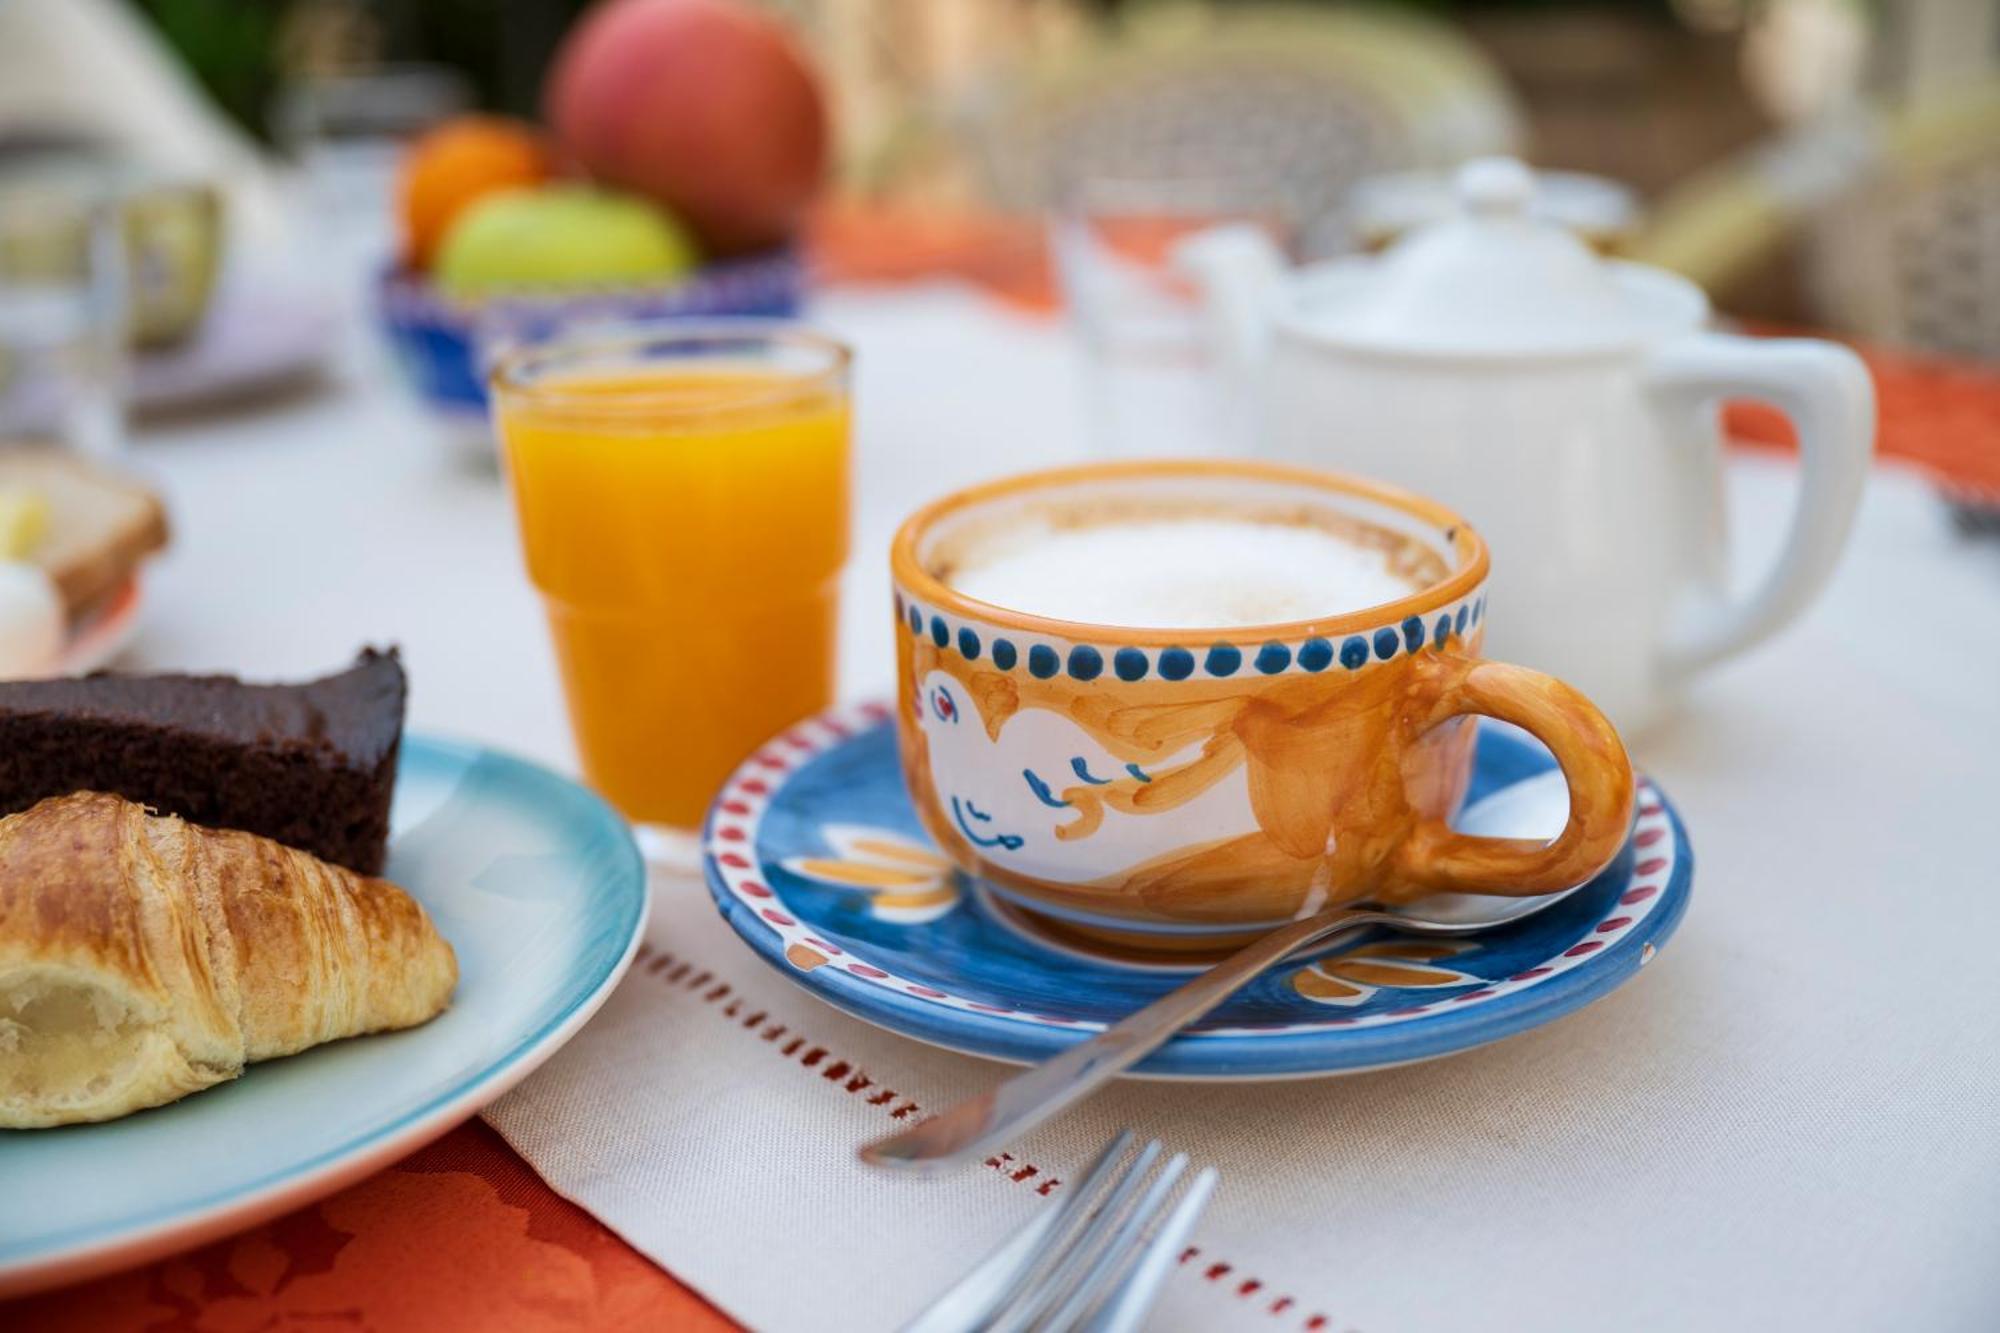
816, 858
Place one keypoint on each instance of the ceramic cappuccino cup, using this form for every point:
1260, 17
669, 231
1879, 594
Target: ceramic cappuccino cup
1170, 702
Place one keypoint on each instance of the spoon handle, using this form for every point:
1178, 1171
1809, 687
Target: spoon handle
1005, 1113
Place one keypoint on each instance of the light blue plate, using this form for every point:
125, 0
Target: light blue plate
538, 886
816, 858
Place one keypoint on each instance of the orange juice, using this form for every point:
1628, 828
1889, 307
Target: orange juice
686, 520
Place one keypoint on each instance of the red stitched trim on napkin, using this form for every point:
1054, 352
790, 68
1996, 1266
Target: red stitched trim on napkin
849, 1078
1021, 1173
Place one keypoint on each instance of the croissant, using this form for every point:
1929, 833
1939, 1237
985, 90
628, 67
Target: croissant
143, 958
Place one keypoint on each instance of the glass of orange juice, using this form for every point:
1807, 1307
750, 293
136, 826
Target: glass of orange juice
683, 499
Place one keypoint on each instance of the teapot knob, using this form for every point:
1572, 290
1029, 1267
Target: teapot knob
1495, 187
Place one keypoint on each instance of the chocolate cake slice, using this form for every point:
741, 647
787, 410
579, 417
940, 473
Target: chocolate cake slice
310, 765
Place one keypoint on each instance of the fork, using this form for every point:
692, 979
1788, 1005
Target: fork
1095, 1262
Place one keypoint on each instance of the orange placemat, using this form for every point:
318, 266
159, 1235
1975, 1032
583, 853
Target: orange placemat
459, 1237
1007, 256
1941, 416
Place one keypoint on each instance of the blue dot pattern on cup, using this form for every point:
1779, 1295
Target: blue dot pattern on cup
1219, 661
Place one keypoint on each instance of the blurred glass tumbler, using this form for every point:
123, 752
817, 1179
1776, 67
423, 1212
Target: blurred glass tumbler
1152, 375
62, 315
348, 131
683, 499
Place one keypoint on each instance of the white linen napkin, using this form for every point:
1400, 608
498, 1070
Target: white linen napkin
1612, 1170
1786, 1121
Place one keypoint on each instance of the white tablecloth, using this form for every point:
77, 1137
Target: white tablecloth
1791, 1120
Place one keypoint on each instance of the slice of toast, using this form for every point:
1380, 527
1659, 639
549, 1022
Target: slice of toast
101, 525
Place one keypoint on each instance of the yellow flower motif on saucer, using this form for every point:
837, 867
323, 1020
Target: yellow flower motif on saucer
1352, 978
907, 882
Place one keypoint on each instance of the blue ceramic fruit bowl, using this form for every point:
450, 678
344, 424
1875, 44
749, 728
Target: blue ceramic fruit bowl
442, 343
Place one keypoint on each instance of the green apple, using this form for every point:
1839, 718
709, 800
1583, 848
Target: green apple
558, 236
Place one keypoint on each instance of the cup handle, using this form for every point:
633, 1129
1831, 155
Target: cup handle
1826, 391
1439, 859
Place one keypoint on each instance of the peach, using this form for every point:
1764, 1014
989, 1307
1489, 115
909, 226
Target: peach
706, 106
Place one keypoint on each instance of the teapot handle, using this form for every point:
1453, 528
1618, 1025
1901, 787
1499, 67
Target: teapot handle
1826, 391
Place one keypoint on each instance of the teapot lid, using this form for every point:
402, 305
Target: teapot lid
1496, 279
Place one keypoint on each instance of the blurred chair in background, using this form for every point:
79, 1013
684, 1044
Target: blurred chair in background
1898, 215
1184, 117
892, 67
1305, 100
1877, 205
1910, 254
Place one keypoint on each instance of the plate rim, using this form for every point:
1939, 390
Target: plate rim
171, 1228
1237, 1055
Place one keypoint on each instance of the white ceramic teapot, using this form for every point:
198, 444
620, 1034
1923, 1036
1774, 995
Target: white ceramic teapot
1569, 406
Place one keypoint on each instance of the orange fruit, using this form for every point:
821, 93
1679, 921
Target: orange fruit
457, 163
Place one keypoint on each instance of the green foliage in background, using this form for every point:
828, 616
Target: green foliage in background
234, 48
501, 45
231, 48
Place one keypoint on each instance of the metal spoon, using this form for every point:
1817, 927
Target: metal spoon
976, 1126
